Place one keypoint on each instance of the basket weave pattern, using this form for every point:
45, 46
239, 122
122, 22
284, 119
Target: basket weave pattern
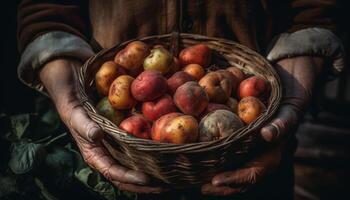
188, 164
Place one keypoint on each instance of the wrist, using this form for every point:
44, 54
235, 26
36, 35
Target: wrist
58, 78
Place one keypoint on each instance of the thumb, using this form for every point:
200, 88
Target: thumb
285, 121
84, 126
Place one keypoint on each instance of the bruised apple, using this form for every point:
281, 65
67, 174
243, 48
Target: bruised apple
106, 75
254, 86
191, 98
137, 126
180, 130
105, 109
197, 54
239, 75
158, 126
148, 86
160, 59
178, 79
218, 85
218, 124
152, 110
250, 108
120, 93
132, 56
195, 70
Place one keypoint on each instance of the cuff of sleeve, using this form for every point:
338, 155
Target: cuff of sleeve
48, 47
309, 42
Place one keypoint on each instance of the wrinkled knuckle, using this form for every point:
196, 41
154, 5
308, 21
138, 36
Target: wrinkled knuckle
282, 124
106, 173
88, 158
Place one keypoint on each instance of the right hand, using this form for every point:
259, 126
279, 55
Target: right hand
60, 81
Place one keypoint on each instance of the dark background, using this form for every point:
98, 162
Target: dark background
322, 158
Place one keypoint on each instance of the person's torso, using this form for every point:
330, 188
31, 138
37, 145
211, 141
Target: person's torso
115, 21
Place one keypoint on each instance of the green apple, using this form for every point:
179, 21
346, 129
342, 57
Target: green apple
160, 59
105, 109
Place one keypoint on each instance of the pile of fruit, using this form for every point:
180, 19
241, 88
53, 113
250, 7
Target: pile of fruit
152, 95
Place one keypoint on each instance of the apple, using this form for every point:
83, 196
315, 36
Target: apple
160, 59
218, 124
159, 124
132, 56
197, 54
119, 93
180, 130
178, 79
137, 126
148, 86
195, 70
254, 86
250, 108
191, 98
152, 110
105, 109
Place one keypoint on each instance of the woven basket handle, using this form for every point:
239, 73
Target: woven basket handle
174, 43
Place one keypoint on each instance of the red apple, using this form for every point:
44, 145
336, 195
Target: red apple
137, 126
159, 125
148, 86
254, 86
240, 76
152, 110
178, 79
198, 54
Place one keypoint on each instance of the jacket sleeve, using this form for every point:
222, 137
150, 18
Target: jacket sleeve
48, 30
309, 29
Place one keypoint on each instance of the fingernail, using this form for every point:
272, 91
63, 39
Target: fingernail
95, 134
268, 133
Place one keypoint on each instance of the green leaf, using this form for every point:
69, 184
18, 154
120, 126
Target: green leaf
106, 190
19, 124
96, 182
59, 167
87, 177
25, 156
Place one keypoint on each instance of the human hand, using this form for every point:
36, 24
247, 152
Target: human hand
246, 177
297, 75
59, 79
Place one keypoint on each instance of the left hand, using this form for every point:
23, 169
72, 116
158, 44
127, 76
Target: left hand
298, 75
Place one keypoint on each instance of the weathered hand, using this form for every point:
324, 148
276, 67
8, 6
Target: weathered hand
297, 75
59, 79
244, 178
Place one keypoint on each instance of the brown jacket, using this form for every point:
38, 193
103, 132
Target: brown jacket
108, 22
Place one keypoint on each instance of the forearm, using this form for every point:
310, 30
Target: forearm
59, 80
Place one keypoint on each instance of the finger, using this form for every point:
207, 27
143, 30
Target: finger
240, 177
97, 157
278, 128
84, 126
138, 188
209, 189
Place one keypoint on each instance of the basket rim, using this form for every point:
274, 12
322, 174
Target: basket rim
150, 145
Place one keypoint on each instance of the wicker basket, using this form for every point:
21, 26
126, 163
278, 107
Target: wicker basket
185, 165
